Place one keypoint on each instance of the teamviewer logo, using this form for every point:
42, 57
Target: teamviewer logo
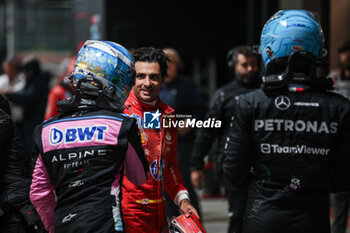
151, 120
265, 148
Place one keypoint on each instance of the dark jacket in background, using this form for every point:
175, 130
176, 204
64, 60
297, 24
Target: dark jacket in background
32, 99
18, 213
184, 96
221, 108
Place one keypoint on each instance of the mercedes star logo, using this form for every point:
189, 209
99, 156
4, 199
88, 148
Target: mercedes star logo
282, 102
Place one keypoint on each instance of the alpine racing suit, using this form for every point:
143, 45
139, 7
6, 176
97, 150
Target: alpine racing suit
143, 206
289, 147
81, 156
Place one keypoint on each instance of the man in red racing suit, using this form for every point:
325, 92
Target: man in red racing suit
62, 89
143, 206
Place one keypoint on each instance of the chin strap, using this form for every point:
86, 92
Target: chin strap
86, 102
299, 69
90, 96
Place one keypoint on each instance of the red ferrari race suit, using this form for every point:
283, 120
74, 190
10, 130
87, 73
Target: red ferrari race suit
59, 92
143, 206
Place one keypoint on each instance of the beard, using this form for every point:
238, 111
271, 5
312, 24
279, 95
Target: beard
250, 79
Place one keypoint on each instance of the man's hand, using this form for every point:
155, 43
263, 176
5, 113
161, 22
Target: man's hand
184, 130
197, 179
187, 208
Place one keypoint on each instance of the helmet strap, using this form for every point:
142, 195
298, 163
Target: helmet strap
301, 66
298, 68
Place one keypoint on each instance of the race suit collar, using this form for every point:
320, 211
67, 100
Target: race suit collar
80, 102
132, 100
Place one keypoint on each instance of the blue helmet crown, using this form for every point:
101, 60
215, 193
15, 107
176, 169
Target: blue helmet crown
288, 31
108, 62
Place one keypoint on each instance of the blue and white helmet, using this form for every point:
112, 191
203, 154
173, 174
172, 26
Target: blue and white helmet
109, 63
288, 31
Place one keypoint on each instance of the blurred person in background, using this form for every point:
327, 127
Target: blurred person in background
62, 88
17, 214
288, 144
32, 98
143, 206
341, 79
12, 81
244, 61
82, 152
4, 78
341, 76
182, 94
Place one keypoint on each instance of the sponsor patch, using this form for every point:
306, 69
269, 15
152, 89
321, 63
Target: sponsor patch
156, 169
282, 102
77, 134
295, 126
266, 148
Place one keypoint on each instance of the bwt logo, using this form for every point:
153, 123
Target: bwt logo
151, 120
81, 134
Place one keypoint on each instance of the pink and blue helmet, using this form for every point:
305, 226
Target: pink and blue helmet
288, 31
108, 62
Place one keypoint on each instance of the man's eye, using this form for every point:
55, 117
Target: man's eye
154, 76
140, 76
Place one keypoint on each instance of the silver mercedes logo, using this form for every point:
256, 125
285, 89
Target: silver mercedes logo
282, 102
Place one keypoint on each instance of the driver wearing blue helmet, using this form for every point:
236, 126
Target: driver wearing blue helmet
83, 151
289, 140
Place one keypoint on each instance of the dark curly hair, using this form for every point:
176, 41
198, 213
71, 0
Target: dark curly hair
151, 54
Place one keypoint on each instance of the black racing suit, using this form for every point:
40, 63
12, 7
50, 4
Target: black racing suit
221, 108
289, 147
17, 214
81, 156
